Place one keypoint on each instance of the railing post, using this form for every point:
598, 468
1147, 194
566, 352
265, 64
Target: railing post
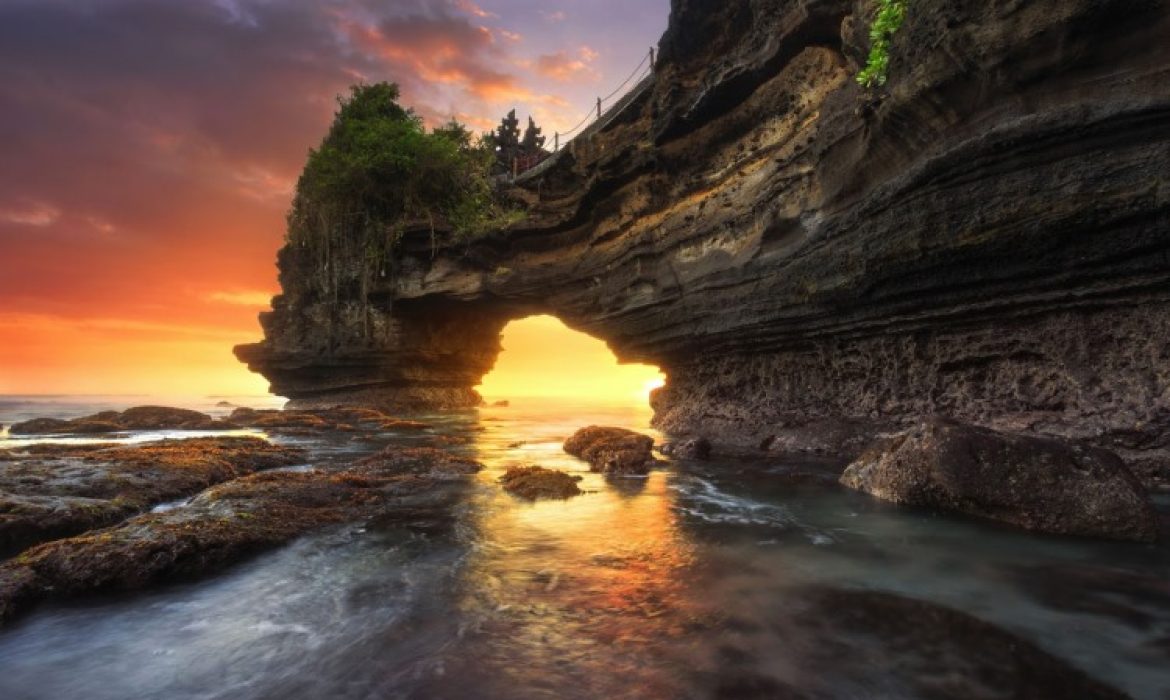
651, 58
556, 141
599, 108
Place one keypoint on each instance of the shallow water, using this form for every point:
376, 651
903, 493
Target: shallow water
694, 582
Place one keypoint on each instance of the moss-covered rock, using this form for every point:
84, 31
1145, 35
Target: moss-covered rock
50, 491
535, 483
612, 450
234, 520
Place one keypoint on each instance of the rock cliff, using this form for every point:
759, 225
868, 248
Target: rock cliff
985, 237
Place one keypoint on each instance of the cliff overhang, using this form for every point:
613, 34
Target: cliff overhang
986, 237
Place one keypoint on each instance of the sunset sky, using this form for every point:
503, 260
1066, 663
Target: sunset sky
150, 147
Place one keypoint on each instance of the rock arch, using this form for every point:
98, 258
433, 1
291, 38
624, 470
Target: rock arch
987, 237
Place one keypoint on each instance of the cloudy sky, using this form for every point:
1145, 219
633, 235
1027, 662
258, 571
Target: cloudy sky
148, 149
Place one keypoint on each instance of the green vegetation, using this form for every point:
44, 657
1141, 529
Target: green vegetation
379, 172
889, 18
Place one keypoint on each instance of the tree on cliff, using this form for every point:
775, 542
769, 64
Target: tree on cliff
510, 146
379, 171
532, 141
506, 138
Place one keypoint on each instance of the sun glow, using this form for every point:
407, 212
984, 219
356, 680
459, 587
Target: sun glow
49, 355
543, 357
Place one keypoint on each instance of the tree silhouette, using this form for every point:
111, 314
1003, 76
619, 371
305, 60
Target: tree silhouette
511, 149
533, 141
506, 138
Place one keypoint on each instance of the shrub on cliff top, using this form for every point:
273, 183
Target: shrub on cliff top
890, 16
379, 170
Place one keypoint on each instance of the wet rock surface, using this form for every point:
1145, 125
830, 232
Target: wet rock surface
687, 448
342, 418
137, 418
1038, 484
233, 520
612, 450
535, 483
926, 651
51, 491
332, 418
1129, 597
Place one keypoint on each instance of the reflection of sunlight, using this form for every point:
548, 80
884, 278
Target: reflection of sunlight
544, 357
568, 579
574, 590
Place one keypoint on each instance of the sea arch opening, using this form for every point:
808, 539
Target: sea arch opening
542, 358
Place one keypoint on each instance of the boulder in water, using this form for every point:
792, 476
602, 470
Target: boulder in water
535, 483
612, 450
1031, 482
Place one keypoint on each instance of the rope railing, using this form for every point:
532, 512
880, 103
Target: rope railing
644, 69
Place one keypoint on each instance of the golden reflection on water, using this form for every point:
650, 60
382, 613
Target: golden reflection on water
581, 586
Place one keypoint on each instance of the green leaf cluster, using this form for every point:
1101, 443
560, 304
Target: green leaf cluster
890, 16
379, 171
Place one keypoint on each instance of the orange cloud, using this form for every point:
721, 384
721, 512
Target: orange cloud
31, 214
562, 67
473, 9
259, 300
257, 182
153, 147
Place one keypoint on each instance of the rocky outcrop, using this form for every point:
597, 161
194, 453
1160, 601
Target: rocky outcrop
334, 418
1035, 483
330, 418
52, 491
231, 521
612, 450
137, 418
986, 237
536, 483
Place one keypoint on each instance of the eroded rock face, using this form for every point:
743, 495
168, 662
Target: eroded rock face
612, 450
688, 448
1035, 483
231, 521
986, 237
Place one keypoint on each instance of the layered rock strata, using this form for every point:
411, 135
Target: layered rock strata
985, 237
